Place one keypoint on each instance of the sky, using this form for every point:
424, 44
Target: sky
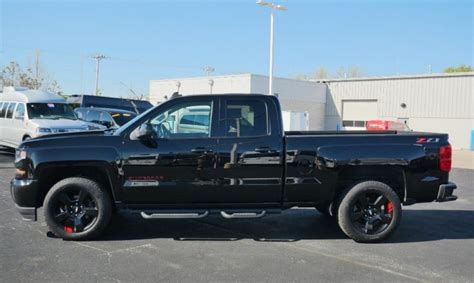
147, 40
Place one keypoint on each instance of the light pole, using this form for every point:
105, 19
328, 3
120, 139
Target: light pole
272, 7
97, 58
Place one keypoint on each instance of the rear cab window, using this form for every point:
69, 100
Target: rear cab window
246, 118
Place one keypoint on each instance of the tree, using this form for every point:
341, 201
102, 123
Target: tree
14, 75
459, 69
301, 77
350, 72
321, 73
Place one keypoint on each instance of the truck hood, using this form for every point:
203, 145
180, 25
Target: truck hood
59, 123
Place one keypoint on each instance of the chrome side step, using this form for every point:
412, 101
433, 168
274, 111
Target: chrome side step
243, 214
175, 215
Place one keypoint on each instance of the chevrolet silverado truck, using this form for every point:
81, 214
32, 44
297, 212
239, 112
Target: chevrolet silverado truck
194, 156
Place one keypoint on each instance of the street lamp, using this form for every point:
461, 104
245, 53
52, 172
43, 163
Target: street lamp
272, 7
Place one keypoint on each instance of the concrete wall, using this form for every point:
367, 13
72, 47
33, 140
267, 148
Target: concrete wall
434, 103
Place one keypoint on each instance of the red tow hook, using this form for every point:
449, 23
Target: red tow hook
68, 229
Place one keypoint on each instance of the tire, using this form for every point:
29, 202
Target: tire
25, 138
369, 212
77, 217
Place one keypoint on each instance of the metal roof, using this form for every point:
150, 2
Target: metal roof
29, 96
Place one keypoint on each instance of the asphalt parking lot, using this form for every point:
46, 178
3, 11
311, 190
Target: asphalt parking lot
434, 243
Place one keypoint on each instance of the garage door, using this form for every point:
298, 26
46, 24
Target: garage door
355, 113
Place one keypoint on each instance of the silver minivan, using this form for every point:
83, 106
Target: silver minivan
26, 114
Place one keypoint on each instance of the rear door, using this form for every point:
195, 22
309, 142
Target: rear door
18, 123
9, 128
250, 151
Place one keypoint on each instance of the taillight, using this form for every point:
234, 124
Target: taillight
445, 158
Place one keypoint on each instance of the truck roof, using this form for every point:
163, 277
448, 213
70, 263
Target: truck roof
29, 96
223, 94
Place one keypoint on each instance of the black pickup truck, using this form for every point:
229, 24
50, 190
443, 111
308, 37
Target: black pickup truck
228, 154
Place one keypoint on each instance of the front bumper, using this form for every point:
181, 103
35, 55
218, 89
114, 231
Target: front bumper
24, 194
445, 192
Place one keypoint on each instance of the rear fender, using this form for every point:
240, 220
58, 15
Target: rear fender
329, 157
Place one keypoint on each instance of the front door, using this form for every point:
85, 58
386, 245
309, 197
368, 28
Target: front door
178, 166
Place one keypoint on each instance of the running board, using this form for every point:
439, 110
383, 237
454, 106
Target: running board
243, 214
174, 215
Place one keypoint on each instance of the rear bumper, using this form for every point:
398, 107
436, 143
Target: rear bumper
24, 193
445, 192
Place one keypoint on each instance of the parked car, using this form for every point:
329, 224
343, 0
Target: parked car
241, 165
134, 105
104, 117
26, 114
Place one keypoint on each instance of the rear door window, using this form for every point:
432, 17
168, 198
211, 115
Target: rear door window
20, 111
246, 118
3, 110
10, 109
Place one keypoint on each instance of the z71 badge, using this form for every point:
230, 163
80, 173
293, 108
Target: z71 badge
427, 140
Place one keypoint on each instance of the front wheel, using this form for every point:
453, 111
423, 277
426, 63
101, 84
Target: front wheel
369, 212
77, 209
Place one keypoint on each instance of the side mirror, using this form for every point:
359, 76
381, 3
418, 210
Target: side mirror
144, 132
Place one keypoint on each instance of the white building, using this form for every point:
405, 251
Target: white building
433, 103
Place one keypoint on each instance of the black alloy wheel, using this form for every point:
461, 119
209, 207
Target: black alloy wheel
77, 208
371, 212
76, 211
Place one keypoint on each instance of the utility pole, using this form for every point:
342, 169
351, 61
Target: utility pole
37, 62
209, 70
98, 58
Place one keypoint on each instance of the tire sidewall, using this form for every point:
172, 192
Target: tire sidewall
101, 198
344, 211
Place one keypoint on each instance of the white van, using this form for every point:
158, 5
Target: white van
26, 114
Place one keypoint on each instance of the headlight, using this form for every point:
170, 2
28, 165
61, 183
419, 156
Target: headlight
43, 131
20, 154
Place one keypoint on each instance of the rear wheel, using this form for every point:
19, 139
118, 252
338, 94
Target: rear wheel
77, 209
369, 211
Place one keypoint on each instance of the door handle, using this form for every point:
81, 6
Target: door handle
201, 150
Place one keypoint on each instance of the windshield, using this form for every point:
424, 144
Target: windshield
50, 111
132, 121
122, 118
